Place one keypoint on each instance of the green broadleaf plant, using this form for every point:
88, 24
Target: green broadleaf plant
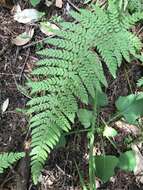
127, 161
34, 2
109, 132
131, 107
101, 99
85, 117
106, 164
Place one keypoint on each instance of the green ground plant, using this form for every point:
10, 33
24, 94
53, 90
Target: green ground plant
72, 71
34, 2
7, 159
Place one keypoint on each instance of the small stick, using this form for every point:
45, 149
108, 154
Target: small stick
24, 64
75, 7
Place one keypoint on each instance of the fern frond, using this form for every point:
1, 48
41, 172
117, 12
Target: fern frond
7, 159
135, 5
71, 71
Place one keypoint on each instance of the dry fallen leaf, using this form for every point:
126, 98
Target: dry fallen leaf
139, 163
16, 9
46, 28
68, 8
59, 3
5, 105
48, 3
128, 128
28, 16
23, 38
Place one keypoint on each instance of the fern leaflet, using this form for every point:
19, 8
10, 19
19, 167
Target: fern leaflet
7, 159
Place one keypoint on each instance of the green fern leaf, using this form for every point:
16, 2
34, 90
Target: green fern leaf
71, 71
7, 159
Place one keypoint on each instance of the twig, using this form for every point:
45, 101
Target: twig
27, 56
75, 7
3, 50
34, 43
8, 74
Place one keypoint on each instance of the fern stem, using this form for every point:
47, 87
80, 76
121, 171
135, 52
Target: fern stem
80, 177
128, 80
92, 166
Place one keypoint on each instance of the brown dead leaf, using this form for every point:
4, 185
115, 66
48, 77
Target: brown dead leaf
59, 3
5, 105
128, 128
48, 3
27, 16
139, 162
47, 27
23, 38
16, 9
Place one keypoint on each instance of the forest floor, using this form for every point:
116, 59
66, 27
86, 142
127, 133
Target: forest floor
60, 172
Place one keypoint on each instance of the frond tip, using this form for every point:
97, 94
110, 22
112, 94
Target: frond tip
7, 159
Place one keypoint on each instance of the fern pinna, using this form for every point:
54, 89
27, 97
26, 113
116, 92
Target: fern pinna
72, 71
7, 159
135, 5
